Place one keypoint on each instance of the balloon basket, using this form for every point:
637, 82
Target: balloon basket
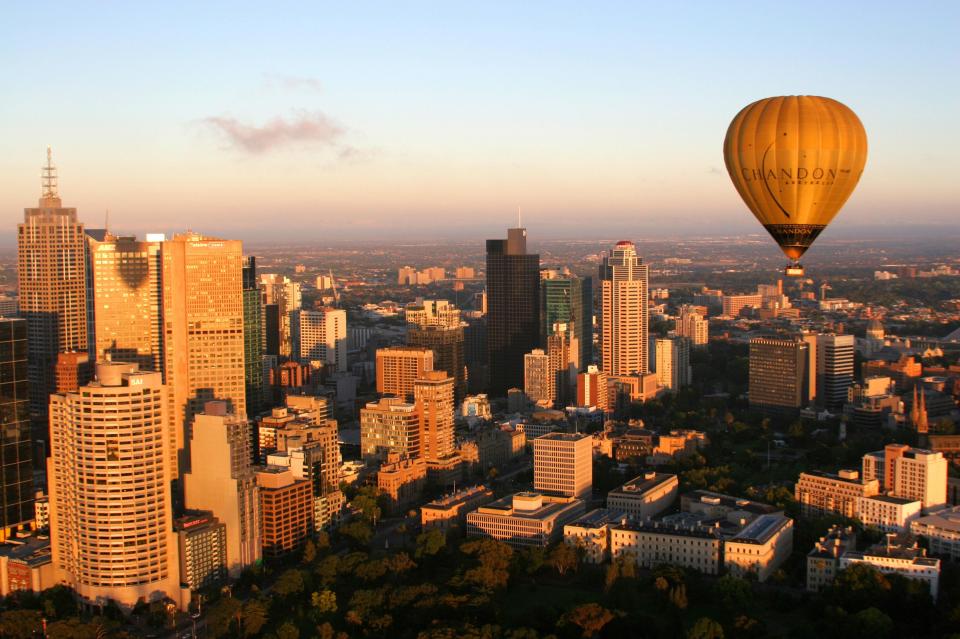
794, 270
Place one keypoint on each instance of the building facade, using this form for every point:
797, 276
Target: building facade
320, 336
398, 367
563, 464
16, 449
779, 375
645, 496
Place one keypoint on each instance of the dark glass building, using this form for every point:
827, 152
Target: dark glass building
513, 309
252, 337
16, 459
569, 300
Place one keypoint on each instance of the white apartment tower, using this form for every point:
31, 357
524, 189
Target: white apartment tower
625, 308
563, 464
110, 470
320, 336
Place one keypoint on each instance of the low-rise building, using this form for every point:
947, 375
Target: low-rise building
525, 519
451, 510
645, 496
823, 562
26, 564
401, 480
899, 555
942, 532
591, 533
888, 513
651, 543
761, 547
710, 505
820, 493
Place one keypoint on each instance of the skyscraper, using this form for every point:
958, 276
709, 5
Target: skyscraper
389, 426
111, 517
539, 378
779, 377
204, 331
513, 309
52, 285
125, 299
320, 336
252, 337
16, 454
568, 301
624, 316
226, 482
286, 294
834, 369
435, 324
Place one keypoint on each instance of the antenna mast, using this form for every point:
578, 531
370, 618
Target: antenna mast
50, 177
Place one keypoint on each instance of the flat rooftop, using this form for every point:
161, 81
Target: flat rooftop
642, 484
598, 517
761, 529
729, 502
948, 519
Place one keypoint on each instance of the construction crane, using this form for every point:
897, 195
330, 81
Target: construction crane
336, 294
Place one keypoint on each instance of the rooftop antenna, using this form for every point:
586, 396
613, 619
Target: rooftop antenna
49, 177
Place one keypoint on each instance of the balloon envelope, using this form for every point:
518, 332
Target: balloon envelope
795, 160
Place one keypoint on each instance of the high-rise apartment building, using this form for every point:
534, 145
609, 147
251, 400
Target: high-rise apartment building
625, 308
834, 369
16, 451
52, 286
432, 313
203, 329
222, 480
320, 336
513, 309
694, 326
568, 301
398, 367
673, 362
433, 397
539, 378
779, 374
286, 511
592, 389
202, 547
124, 299
110, 470
389, 425
252, 337
563, 464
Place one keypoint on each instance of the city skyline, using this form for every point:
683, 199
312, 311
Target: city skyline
623, 122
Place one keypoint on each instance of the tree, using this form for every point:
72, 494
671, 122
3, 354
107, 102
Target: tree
367, 502
221, 614
289, 583
324, 601
430, 542
590, 618
872, 623
678, 596
705, 628
732, 591
309, 552
254, 616
287, 631
20, 624
492, 570
563, 557
612, 575
358, 532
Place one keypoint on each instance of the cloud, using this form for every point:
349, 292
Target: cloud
292, 82
304, 128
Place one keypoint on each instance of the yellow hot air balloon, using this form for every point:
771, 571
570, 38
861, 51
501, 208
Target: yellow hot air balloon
795, 160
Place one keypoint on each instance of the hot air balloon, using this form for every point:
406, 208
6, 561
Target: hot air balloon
795, 160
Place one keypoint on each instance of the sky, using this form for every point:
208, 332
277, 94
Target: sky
360, 120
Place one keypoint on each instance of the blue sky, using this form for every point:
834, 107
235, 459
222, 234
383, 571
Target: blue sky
440, 118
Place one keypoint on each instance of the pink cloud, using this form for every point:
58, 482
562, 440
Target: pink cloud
304, 128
